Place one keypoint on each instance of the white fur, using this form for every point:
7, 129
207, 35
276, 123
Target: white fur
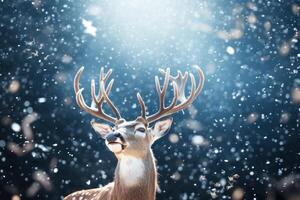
131, 170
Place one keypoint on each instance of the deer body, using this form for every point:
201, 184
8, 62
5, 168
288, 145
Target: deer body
131, 141
135, 179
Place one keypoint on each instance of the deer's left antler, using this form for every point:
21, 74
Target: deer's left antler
99, 99
178, 83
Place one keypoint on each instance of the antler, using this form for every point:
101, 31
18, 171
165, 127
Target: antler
180, 80
178, 83
97, 99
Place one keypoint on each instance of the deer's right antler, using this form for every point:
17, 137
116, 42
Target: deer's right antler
97, 99
178, 83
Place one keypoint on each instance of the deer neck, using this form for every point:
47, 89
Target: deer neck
135, 178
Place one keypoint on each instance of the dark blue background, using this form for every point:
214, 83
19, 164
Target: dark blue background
258, 152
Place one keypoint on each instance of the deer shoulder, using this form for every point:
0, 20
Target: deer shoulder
103, 193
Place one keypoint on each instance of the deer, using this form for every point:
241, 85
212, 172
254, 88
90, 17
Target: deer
135, 176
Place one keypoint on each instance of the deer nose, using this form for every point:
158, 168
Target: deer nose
112, 137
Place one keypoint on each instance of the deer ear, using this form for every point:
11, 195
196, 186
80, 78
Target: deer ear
161, 128
102, 129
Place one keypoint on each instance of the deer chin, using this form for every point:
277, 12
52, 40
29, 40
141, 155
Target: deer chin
115, 147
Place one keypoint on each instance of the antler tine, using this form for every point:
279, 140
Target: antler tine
77, 78
178, 83
102, 96
162, 91
94, 98
107, 75
175, 98
104, 77
98, 101
201, 81
108, 101
142, 104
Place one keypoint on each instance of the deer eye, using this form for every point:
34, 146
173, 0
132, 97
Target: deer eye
140, 129
140, 132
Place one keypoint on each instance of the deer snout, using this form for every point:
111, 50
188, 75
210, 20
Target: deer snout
112, 137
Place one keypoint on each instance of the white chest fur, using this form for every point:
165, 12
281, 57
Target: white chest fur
131, 170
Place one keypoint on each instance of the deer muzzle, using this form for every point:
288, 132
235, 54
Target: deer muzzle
115, 142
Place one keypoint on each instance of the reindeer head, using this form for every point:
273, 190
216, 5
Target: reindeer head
135, 137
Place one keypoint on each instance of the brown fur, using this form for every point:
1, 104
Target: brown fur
117, 190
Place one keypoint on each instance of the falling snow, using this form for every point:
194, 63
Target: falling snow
89, 28
238, 137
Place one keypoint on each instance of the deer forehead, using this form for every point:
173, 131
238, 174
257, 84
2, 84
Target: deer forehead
129, 124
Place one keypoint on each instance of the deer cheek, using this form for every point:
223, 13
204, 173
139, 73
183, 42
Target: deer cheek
140, 134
